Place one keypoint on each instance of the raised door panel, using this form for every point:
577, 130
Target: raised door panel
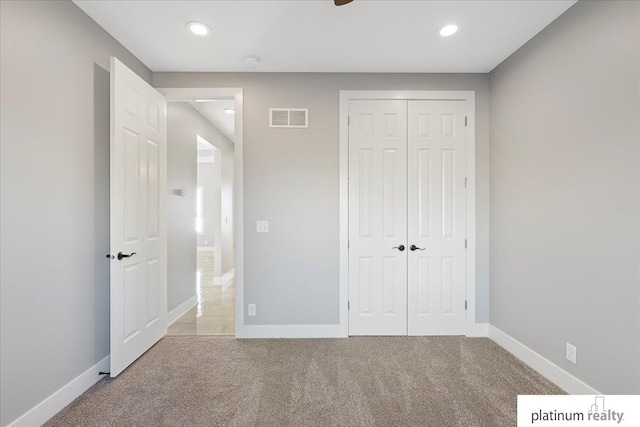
131, 300
130, 184
153, 190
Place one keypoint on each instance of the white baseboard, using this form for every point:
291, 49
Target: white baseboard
290, 331
55, 403
478, 330
320, 331
227, 279
177, 312
543, 366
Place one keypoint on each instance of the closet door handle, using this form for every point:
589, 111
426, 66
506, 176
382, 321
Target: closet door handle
414, 247
400, 248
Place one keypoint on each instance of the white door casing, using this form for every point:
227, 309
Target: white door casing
436, 197
377, 218
138, 216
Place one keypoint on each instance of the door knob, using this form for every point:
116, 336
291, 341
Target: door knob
414, 247
121, 255
400, 248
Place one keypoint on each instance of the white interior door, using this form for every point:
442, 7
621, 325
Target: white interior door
138, 216
377, 217
436, 188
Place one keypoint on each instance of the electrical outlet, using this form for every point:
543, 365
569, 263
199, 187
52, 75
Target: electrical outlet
571, 353
252, 310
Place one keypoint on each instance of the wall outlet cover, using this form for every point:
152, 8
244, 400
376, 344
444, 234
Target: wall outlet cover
252, 310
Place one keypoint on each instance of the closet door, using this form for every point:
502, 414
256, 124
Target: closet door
436, 218
378, 217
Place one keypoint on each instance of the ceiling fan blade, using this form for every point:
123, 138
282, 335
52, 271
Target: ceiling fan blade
342, 2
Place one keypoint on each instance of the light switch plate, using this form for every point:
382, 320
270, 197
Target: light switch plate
262, 226
571, 353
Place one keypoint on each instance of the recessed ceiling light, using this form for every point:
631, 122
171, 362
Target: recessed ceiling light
229, 110
203, 100
198, 28
447, 30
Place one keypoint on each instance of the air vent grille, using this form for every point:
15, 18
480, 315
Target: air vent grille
288, 118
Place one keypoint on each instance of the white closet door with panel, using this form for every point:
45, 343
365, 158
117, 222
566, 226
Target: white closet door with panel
436, 227
378, 217
138, 216
407, 217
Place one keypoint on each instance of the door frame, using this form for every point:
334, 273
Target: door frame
190, 94
410, 95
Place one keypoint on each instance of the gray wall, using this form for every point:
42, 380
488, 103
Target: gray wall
565, 195
54, 161
184, 123
291, 179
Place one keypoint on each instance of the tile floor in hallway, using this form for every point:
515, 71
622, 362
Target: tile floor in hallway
214, 314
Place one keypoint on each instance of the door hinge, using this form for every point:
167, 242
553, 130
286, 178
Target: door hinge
465, 120
465, 243
348, 305
465, 305
348, 243
348, 120
465, 183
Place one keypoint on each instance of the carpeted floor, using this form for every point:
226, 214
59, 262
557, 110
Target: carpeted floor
390, 381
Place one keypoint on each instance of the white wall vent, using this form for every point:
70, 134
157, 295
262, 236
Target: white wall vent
288, 118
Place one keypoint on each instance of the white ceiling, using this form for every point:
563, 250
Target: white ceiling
316, 36
213, 110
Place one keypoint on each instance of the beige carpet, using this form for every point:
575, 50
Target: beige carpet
390, 381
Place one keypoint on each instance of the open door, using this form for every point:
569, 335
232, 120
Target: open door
138, 216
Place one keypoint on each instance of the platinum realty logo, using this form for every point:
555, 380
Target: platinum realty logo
579, 410
597, 412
